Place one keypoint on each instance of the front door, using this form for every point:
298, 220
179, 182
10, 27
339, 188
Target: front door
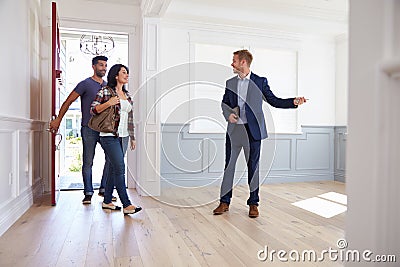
55, 103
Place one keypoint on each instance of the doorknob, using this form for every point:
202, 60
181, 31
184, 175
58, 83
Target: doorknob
56, 133
48, 129
59, 142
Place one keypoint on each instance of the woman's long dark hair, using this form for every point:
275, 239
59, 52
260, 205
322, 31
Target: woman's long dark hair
113, 73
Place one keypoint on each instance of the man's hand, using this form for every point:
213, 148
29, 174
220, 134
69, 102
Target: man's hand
299, 100
54, 125
233, 118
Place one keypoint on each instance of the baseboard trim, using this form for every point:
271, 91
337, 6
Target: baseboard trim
13, 209
270, 179
37, 189
340, 176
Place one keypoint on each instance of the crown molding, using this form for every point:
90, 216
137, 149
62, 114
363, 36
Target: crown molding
304, 10
332, 11
154, 8
123, 2
268, 30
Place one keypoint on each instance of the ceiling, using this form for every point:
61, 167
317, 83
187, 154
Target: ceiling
328, 17
318, 16
124, 2
330, 9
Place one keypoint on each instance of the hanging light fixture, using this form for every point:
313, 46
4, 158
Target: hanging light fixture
96, 44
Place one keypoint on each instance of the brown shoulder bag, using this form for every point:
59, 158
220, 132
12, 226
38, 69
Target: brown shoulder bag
104, 121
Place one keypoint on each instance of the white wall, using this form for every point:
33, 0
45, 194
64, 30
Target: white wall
16, 68
316, 72
97, 15
174, 51
316, 65
21, 125
342, 83
373, 156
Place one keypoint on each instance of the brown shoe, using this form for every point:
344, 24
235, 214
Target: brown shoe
253, 211
221, 208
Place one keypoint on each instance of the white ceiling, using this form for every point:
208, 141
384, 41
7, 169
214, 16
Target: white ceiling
313, 16
306, 16
124, 2
328, 9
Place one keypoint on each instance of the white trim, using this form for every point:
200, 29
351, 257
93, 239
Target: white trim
98, 25
20, 119
12, 210
135, 3
13, 124
217, 28
155, 8
344, 37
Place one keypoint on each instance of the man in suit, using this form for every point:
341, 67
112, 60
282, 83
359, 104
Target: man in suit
242, 108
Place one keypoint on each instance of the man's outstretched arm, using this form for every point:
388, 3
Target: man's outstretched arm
55, 124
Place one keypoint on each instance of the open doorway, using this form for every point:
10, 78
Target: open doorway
77, 67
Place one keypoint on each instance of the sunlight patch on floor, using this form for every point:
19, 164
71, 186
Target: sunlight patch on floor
321, 207
336, 197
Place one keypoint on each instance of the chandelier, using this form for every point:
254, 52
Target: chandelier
96, 44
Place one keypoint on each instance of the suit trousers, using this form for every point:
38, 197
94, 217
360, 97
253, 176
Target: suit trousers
239, 138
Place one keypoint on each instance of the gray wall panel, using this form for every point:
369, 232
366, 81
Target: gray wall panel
314, 152
340, 153
193, 159
283, 155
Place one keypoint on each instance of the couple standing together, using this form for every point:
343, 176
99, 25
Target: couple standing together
96, 96
241, 107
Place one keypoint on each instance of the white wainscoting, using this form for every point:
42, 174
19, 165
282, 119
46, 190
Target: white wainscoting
20, 167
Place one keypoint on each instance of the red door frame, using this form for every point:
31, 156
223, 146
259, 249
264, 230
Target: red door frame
55, 75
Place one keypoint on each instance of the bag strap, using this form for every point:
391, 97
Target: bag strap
109, 89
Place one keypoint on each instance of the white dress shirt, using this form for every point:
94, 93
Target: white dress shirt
243, 86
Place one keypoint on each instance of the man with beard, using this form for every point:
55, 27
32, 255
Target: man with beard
87, 90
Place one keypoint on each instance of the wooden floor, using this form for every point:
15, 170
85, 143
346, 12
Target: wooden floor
72, 234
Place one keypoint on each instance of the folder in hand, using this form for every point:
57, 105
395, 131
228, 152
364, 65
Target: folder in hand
236, 111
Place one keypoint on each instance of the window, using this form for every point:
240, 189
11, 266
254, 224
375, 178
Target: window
280, 68
68, 123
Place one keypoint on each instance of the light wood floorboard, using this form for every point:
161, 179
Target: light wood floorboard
175, 234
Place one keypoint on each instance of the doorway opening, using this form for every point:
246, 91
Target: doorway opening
77, 66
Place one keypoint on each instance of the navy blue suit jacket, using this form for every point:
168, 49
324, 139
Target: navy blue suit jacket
257, 92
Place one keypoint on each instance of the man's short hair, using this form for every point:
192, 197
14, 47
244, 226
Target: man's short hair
244, 54
96, 59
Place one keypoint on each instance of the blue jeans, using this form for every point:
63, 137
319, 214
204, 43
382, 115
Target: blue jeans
115, 148
89, 142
